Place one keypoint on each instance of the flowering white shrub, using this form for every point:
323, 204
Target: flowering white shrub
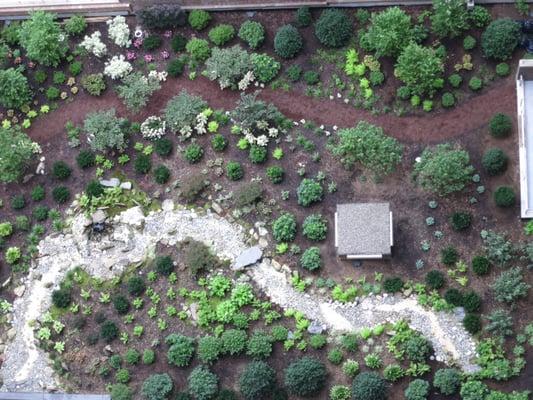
160, 75
153, 127
201, 123
117, 67
94, 44
119, 31
246, 80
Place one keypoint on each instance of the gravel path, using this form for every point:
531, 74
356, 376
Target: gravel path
27, 368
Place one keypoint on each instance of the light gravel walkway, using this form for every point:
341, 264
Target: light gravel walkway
26, 366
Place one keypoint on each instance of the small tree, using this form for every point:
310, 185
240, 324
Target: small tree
420, 69
157, 387
104, 130
257, 381
390, 31
16, 152
203, 384
449, 18
500, 39
443, 169
42, 38
14, 89
305, 376
510, 286
368, 145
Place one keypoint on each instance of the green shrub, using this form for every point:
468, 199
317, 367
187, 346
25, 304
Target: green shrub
234, 170
193, 153
472, 323
142, 163
417, 390
61, 194
294, 72
315, 227
335, 356
85, 159
403, 93
311, 77
376, 78
59, 78
500, 323
38, 193
480, 265
309, 191
122, 375
233, 341
199, 257
257, 381
504, 196
120, 391
369, 386
22, 223
317, 341
157, 387
181, 350
40, 76
333, 28
461, 220
209, 349
161, 16
109, 331
252, 33
311, 259
164, 265
265, 68
248, 194
203, 384
163, 147
136, 286
390, 31
175, 67
469, 42
219, 142
503, 69
18, 202
471, 302
105, 130
121, 304
199, 19
198, 49
393, 285
258, 154
40, 213
275, 174
473, 390
475, 83
61, 298
14, 89
455, 80
221, 34
500, 39
94, 84
435, 279
510, 286
447, 381
393, 372
350, 368
178, 43
148, 357
288, 42
52, 93
494, 161
161, 174
449, 255
305, 377
152, 42
75, 25
454, 297
417, 348
449, 18
448, 100
61, 170
259, 345
479, 16
500, 125
302, 17
132, 356
94, 189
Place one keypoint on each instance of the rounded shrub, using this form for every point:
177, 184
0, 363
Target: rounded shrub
469, 42
475, 83
209, 349
132, 356
178, 43
417, 390
449, 255
198, 49
504, 196
203, 384
315, 227
152, 42
288, 41
40, 213
500, 125
284, 228
500, 39
221, 34
234, 341
309, 191
454, 297
136, 286
503, 69
163, 147
109, 331
333, 28
455, 80
219, 142
311, 259
403, 93
161, 174
199, 19
317, 341
18, 202
302, 17
393, 285
275, 174
38, 193
234, 171
311, 77
148, 357
94, 188
417, 348
461, 220
85, 159
164, 265
120, 391
471, 302
257, 381
369, 386
193, 153
472, 323
448, 100
61, 194
258, 154
259, 345
157, 387
435, 279
252, 33
61, 298
142, 163
175, 67
121, 304
61, 170
180, 351
335, 356
305, 377
447, 381
494, 161
294, 72
480, 265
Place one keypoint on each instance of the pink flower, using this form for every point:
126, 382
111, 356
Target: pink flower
148, 58
138, 42
131, 55
165, 54
167, 34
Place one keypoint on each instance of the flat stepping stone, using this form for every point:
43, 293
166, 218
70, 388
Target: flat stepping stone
248, 257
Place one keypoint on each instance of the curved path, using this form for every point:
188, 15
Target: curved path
427, 128
134, 237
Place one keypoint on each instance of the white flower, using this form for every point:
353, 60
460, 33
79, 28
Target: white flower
117, 67
273, 132
331, 97
94, 45
153, 127
118, 31
302, 121
339, 95
186, 131
335, 127
262, 140
246, 80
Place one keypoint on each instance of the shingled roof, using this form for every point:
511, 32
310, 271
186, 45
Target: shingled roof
363, 230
